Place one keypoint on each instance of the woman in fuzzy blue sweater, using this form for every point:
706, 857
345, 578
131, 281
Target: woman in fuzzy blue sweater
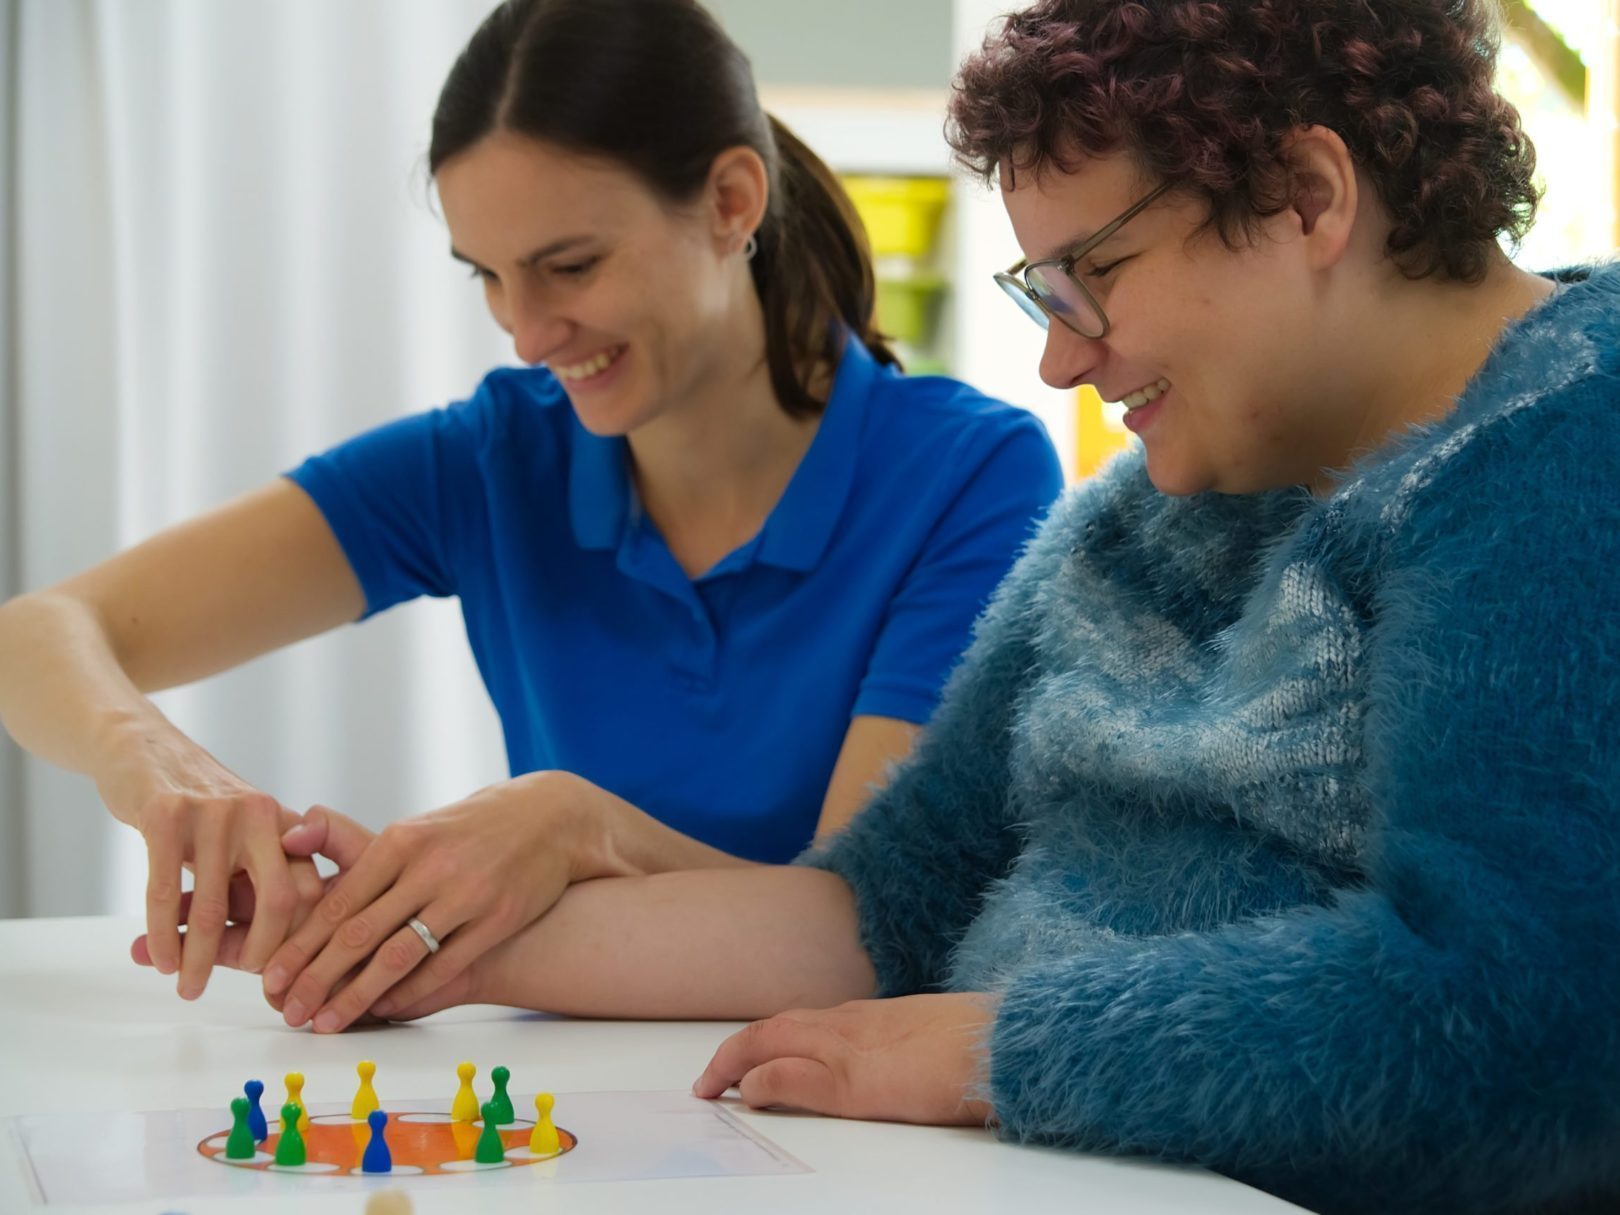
1273, 820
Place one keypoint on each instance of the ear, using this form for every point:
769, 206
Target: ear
736, 194
1325, 193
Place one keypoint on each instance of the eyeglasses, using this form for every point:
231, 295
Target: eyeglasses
1050, 288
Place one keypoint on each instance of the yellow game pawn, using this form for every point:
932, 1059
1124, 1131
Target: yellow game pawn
465, 1107
295, 1096
543, 1140
389, 1202
365, 1100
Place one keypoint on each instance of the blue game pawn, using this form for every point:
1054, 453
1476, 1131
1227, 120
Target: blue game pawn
254, 1090
377, 1158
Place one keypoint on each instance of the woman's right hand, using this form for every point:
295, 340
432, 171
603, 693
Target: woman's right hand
196, 814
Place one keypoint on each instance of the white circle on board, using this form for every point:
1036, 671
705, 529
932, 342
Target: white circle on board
522, 1152
246, 1162
313, 1166
399, 1170
472, 1166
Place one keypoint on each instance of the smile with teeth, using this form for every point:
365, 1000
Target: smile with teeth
594, 365
1145, 395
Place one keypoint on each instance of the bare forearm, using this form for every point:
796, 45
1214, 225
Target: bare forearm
692, 945
64, 695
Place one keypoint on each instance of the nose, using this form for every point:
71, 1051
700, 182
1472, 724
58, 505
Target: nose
1069, 360
537, 331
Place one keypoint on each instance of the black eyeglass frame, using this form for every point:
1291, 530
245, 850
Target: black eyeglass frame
1014, 280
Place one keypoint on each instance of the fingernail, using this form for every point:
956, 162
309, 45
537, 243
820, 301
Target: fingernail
326, 1022
383, 1006
275, 979
295, 1014
190, 990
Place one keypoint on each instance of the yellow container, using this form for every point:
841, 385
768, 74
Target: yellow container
901, 214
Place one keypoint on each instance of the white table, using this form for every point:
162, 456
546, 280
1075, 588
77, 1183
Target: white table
83, 1029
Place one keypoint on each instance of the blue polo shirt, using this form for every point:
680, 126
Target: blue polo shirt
716, 704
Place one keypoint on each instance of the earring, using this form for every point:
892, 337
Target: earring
751, 248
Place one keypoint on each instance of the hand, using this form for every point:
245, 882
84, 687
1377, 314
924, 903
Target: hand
910, 1059
475, 873
340, 839
195, 814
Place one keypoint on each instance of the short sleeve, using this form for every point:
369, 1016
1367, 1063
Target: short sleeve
397, 498
979, 534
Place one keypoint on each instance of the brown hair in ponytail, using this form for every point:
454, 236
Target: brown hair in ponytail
658, 87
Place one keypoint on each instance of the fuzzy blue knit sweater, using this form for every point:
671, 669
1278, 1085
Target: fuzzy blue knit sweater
1289, 829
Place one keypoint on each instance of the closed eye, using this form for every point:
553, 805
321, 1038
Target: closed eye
1105, 270
576, 269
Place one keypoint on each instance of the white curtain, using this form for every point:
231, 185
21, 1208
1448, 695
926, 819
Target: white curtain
223, 257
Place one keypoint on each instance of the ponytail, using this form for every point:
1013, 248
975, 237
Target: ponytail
813, 273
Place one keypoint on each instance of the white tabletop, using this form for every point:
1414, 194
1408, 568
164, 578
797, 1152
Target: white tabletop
84, 1029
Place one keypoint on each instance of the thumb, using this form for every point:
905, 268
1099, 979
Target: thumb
333, 835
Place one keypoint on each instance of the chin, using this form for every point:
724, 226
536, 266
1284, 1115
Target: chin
1176, 483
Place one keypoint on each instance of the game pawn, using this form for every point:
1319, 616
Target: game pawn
544, 1140
365, 1099
502, 1103
290, 1147
241, 1145
295, 1096
377, 1158
491, 1147
256, 1123
465, 1106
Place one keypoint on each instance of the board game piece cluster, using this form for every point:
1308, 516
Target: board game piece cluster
249, 1128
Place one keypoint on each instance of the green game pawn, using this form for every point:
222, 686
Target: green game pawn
290, 1147
501, 1102
241, 1145
491, 1148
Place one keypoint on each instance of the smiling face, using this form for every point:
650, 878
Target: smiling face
635, 305
1218, 354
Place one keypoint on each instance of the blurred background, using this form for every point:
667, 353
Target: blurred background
218, 253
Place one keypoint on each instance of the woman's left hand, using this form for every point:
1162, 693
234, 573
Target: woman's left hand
909, 1059
474, 873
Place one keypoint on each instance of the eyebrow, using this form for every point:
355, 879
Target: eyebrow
1071, 246
557, 246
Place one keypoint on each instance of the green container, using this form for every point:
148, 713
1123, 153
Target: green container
907, 308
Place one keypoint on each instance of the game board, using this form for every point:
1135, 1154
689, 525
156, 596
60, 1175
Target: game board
167, 1154
421, 1142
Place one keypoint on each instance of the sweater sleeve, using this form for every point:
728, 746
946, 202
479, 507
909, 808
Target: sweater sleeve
920, 855
1443, 1037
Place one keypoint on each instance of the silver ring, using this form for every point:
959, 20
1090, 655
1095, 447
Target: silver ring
421, 930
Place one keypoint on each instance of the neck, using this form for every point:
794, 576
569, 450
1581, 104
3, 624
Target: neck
711, 466
1420, 346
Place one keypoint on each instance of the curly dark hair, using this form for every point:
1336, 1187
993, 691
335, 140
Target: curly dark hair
1205, 92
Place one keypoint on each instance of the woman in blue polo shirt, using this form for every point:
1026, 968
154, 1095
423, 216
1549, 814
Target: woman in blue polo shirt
715, 554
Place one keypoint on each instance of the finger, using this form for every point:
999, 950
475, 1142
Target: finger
311, 889
163, 859
789, 1035
471, 941
275, 895
364, 933
401, 954
238, 901
333, 835
792, 1083
372, 873
459, 990
229, 954
210, 901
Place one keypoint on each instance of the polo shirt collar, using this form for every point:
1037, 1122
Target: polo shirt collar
601, 498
